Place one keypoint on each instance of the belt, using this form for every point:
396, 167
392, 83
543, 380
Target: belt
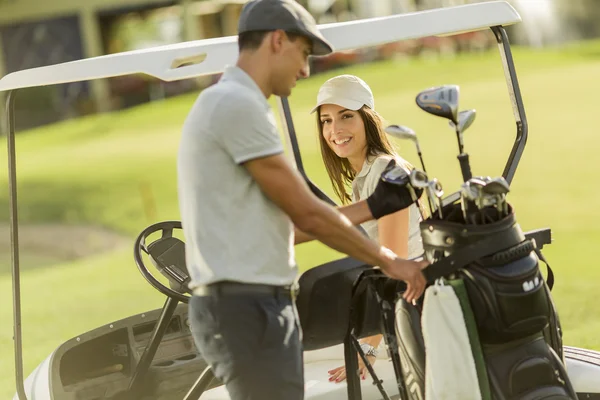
237, 288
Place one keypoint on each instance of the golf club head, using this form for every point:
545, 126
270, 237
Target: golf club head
441, 101
477, 181
418, 179
475, 186
497, 186
396, 176
436, 186
468, 191
465, 120
401, 132
404, 132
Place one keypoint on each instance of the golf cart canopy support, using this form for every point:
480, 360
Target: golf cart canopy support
205, 57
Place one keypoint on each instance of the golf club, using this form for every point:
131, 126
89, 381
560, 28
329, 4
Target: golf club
465, 120
441, 101
478, 183
466, 197
418, 179
404, 132
471, 190
435, 188
399, 177
498, 187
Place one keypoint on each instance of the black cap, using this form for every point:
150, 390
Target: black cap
287, 15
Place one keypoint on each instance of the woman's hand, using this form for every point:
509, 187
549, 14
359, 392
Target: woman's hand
339, 374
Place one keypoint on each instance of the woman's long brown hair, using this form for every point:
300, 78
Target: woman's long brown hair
339, 169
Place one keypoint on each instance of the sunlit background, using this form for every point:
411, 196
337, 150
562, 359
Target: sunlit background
96, 160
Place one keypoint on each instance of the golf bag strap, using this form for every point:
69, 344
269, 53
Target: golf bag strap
550, 278
472, 252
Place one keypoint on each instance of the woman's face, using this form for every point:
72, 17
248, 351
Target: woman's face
343, 131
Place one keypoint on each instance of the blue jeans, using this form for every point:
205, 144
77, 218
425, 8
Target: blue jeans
252, 343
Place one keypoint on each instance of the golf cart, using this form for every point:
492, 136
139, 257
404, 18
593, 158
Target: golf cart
152, 355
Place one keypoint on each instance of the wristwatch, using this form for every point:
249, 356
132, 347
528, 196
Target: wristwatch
369, 350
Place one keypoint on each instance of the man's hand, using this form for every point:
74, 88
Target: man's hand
409, 272
393, 192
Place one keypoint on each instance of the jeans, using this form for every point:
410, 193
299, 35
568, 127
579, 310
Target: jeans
252, 343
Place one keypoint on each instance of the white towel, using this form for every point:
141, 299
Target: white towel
450, 372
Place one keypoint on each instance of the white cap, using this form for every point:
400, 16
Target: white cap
346, 91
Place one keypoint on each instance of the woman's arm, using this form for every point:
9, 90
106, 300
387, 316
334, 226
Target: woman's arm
393, 232
357, 213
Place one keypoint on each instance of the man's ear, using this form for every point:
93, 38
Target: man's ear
277, 39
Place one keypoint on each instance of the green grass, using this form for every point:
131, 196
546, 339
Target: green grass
95, 169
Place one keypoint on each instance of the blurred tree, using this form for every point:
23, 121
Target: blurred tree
580, 17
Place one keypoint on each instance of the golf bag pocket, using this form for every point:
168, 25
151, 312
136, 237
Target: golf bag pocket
527, 369
509, 301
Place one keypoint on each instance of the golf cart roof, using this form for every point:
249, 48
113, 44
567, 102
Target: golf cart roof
204, 57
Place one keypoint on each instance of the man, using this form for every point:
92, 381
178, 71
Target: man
240, 200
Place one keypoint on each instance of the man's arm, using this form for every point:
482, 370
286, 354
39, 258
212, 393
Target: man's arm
357, 213
286, 188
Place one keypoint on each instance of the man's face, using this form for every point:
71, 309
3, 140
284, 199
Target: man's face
290, 63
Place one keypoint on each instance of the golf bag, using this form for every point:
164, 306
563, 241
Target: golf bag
515, 318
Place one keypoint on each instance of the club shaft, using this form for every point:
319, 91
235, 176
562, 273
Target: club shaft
432, 203
465, 167
459, 140
422, 162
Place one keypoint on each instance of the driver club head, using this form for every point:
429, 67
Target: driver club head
465, 120
441, 101
401, 132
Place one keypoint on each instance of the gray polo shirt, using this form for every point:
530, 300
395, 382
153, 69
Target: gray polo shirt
232, 230
364, 185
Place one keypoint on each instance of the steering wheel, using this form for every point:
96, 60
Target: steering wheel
168, 256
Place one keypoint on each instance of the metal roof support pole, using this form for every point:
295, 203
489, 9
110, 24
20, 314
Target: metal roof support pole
14, 243
516, 100
289, 131
92, 45
3, 127
292, 141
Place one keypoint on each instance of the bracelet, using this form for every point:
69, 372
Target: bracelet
369, 350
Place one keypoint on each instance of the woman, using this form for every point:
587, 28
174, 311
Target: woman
356, 150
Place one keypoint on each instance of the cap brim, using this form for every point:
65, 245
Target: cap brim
320, 45
346, 103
